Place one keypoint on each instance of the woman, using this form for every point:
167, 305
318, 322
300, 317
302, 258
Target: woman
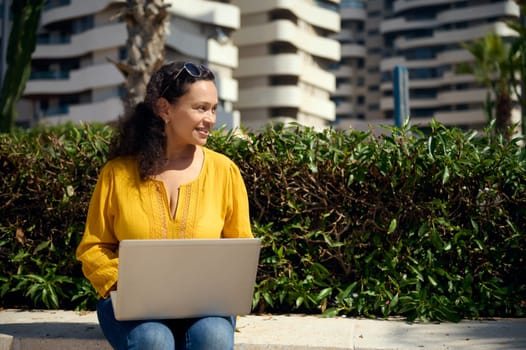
161, 182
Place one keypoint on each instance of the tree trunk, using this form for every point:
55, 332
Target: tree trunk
503, 108
145, 22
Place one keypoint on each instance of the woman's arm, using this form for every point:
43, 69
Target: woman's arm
97, 250
237, 220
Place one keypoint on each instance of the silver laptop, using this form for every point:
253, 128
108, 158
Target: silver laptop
185, 278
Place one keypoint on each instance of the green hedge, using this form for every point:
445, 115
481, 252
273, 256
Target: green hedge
423, 226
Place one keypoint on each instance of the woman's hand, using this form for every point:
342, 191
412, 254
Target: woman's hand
113, 288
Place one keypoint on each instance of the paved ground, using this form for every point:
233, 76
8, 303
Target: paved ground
67, 330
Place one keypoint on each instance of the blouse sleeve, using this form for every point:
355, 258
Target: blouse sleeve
97, 250
237, 220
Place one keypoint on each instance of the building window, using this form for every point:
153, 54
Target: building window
328, 5
282, 47
122, 91
360, 81
83, 24
355, 4
422, 113
51, 4
123, 53
420, 54
424, 94
360, 63
422, 73
282, 14
339, 100
283, 80
284, 112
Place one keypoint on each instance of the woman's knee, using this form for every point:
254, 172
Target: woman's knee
211, 333
151, 335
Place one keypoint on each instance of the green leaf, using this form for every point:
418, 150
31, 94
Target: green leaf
432, 280
299, 301
42, 246
392, 226
324, 293
53, 299
445, 176
268, 298
331, 312
394, 301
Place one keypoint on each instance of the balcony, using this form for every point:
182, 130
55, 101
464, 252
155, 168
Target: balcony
51, 4
352, 13
99, 38
401, 24
441, 37
69, 9
193, 43
53, 40
286, 97
208, 12
55, 111
344, 89
404, 5
48, 75
102, 111
343, 71
476, 116
480, 12
310, 13
286, 31
286, 64
462, 96
344, 108
74, 81
353, 50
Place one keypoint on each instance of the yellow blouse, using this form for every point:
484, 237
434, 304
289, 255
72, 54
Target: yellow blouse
214, 205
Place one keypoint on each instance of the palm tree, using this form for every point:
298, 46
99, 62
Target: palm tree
22, 43
491, 67
517, 59
146, 25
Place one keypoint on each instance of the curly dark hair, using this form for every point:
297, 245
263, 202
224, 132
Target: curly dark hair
141, 132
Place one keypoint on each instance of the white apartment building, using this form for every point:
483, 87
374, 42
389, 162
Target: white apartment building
284, 55
280, 58
72, 78
350, 92
315, 62
424, 36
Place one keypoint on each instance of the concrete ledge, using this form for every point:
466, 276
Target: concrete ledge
69, 330
46, 330
6, 342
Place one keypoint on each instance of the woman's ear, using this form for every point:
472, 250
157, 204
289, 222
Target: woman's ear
162, 107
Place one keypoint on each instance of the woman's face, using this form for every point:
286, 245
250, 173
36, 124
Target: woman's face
191, 118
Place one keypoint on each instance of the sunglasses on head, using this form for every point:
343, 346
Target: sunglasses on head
192, 70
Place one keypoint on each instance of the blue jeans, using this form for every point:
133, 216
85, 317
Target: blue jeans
196, 334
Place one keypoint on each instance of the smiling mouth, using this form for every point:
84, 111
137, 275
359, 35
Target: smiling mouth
203, 131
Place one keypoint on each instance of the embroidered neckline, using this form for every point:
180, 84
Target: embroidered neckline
161, 211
